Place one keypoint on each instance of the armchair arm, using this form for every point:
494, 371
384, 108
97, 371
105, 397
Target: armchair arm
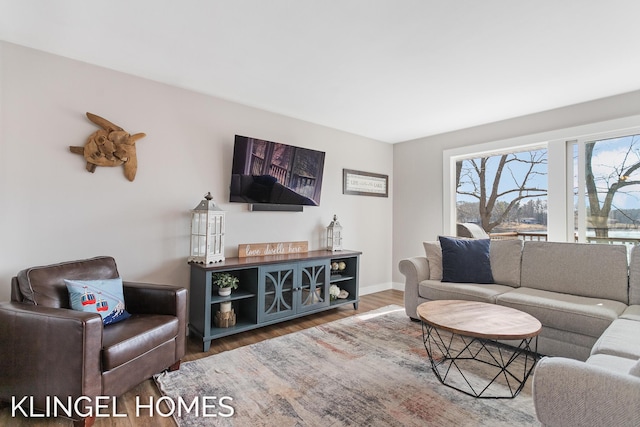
34, 338
568, 393
147, 298
415, 270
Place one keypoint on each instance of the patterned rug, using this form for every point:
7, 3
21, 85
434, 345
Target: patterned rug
370, 369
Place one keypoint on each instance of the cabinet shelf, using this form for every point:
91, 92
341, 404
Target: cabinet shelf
235, 295
340, 277
271, 289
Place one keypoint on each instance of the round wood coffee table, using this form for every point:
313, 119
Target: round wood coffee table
456, 333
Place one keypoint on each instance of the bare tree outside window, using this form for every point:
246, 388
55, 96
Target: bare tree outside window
504, 191
612, 180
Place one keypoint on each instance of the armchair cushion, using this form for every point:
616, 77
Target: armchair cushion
104, 297
123, 342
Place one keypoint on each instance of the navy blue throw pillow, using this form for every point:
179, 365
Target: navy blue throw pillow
465, 260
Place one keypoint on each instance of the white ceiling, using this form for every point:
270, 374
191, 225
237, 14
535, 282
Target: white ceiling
391, 70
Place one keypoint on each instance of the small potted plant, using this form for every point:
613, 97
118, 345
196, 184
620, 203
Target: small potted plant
225, 282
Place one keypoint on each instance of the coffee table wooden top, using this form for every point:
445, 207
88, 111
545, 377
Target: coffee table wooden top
479, 319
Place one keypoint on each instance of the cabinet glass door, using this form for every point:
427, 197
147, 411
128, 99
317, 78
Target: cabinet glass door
314, 286
276, 291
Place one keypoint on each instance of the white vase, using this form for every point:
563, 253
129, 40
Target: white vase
225, 306
224, 292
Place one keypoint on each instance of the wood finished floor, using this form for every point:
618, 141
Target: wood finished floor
125, 404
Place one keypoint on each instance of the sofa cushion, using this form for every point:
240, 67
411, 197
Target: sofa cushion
634, 276
124, 341
505, 257
433, 251
437, 290
104, 297
635, 369
465, 260
589, 270
621, 338
582, 315
45, 285
612, 363
632, 313
557, 342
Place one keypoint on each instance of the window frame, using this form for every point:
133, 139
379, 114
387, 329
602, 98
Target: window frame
559, 167
580, 143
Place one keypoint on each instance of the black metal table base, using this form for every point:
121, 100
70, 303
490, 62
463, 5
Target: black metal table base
450, 355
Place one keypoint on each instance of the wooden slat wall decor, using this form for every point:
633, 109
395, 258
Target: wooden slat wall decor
277, 248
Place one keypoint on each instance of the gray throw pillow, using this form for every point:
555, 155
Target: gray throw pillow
434, 256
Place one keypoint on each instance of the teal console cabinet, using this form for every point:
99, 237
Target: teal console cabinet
271, 289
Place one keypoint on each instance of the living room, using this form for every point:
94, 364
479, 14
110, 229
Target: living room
54, 210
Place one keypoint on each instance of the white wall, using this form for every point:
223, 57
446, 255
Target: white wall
418, 166
52, 209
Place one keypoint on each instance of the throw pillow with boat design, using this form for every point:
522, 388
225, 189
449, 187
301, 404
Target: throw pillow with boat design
104, 297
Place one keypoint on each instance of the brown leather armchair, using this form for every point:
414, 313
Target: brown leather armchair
47, 349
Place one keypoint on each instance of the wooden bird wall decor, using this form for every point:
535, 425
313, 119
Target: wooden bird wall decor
110, 146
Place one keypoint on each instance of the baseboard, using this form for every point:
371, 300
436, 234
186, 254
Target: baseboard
379, 287
399, 286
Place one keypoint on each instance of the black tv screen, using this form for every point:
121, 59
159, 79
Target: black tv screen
266, 172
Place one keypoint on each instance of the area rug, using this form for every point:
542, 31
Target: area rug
369, 369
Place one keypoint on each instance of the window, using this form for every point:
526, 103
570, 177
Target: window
604, 208
504, 193
607, 201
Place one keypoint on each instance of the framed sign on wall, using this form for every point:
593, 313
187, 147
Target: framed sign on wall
364, 183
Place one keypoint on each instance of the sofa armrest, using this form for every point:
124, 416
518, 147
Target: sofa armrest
33, 337
568, 392
147, 298
415, 270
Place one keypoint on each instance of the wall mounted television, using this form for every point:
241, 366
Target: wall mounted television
274, 176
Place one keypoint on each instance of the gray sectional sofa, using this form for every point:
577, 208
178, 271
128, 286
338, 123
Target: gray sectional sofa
587, 298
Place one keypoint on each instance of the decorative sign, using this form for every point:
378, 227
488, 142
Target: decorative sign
364, 183
277, 248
